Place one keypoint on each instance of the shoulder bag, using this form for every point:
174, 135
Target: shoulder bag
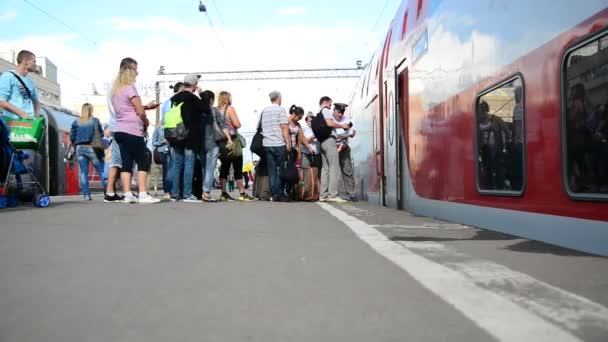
97, 143
257, 143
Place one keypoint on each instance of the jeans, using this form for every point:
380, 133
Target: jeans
209, 165
275, 159
86, 155
167, 175
183, 161
330, 172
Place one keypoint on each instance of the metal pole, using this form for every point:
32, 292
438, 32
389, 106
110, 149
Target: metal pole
157, 88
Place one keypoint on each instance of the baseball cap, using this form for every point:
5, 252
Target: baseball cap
191, 79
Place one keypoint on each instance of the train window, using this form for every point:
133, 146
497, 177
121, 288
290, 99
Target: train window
585, 119
500, 139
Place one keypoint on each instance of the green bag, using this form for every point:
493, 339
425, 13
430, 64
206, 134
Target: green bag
26, 133
175, 130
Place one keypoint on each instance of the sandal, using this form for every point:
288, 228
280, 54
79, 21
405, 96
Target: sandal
207, 198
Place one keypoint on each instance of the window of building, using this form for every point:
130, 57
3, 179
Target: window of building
585, 119
500, 141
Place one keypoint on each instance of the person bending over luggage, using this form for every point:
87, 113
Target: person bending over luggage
309, 145
295, 130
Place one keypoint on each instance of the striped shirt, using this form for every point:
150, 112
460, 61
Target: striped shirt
272, 118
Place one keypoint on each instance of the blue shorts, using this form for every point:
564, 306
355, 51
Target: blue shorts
116, 158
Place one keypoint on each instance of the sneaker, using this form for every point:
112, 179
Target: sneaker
284, 199
113, 199
323, 199
246, 198
191, 199
336, 200
174, 199
129, 198
167, 197
226, 198
147, 199
354, 198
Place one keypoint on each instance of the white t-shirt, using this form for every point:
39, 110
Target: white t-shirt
112, 123
341, 134
308, 133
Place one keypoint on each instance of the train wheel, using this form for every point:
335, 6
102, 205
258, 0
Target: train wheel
43, 201
3, 202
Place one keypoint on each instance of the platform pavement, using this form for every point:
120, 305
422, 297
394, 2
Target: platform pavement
262, 271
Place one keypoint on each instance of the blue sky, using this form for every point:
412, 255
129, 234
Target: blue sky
260, 34
91, 19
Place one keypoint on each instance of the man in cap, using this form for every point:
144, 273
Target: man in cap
185, 152
330, 172
342, 136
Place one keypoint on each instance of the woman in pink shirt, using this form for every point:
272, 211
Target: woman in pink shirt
131, 125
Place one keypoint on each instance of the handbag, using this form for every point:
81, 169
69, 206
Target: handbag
237, 148
218, 133
257, 143
157, 157
289, 172
97, 143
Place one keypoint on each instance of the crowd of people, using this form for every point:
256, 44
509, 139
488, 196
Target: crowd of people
193, 132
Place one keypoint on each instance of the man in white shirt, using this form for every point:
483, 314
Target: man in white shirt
346, 163
277, 143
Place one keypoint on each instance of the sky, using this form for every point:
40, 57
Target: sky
92, 36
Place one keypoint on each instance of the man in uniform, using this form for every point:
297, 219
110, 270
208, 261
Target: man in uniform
342, 136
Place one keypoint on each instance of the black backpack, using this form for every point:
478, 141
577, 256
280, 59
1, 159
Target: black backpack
319, 127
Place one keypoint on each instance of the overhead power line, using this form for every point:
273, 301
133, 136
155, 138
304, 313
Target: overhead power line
217, 10
380, 16
59, 21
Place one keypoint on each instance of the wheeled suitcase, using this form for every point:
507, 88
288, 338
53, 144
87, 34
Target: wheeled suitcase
307, 189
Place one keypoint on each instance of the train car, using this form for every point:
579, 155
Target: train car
492, 114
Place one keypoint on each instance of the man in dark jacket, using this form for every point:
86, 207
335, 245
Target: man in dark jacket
186, 152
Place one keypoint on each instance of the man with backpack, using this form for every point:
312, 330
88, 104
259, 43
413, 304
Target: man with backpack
323, 126
184, 132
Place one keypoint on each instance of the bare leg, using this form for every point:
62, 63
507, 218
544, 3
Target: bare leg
112, 174
240, 185
142, 181
223, 184
125, 177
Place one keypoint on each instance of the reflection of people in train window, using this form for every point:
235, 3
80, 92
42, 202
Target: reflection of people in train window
582, 158
492, 149
518, 116
515, 169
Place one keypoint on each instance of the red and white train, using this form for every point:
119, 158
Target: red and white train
492, 114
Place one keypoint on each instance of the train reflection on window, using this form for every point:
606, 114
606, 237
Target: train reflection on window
586, 121
500, 139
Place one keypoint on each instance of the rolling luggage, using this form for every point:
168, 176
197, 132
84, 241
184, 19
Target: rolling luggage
307, 189
261, 188
261, 182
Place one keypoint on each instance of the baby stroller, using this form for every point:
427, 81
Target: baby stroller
27, 135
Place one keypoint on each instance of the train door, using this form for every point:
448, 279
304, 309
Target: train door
394, 147
401, 121
390, 142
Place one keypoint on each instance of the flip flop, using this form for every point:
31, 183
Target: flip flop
209, 199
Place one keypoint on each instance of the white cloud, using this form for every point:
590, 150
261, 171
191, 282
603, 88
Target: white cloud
291, 11
8, 15
163, 41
